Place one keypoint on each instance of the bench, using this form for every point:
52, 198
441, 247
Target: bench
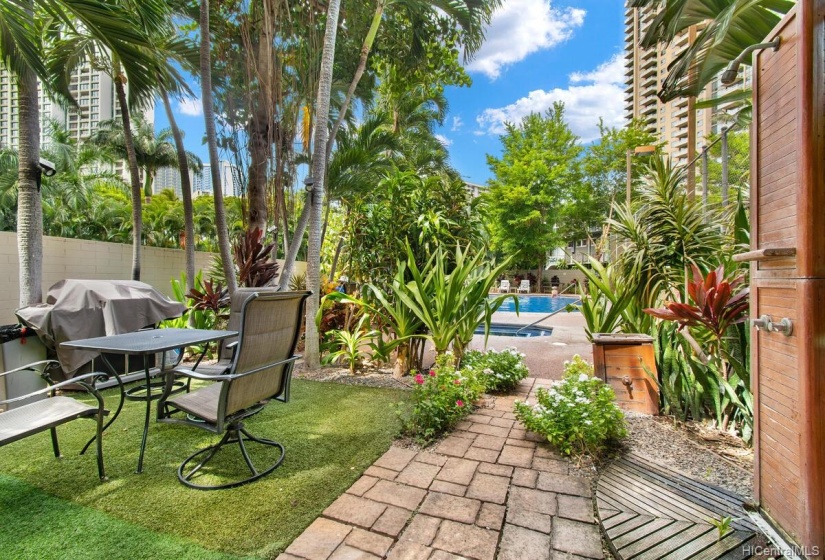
54, 410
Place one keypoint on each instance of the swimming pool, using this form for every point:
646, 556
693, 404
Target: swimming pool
503, 329
538, 304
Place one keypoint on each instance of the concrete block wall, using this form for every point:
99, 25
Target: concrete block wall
79, 258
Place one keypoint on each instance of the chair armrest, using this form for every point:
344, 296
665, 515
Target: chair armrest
197, 375
79, 380
30, 367
232, 345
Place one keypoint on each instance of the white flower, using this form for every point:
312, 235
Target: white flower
488, 371
588, 422
583, 377
449, 352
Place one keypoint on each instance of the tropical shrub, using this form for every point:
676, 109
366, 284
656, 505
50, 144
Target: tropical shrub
578, 414
710, 364
441, 397
352, 345
449, 295
499, 371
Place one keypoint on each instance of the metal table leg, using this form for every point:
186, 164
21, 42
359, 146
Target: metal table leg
119, 406
148, 412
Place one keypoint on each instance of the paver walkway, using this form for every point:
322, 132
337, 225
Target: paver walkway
489, 490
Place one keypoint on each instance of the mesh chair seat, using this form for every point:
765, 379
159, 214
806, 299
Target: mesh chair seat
202, 402
35, 417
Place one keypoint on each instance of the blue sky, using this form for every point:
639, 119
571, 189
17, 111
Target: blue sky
537, 52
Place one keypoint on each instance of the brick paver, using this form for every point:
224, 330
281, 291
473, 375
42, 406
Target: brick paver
490, 490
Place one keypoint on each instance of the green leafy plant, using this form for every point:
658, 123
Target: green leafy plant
578, 414
450, 296
441, 397
352, 345
716, 310
722, 525
196, 317
298, 282
499, 371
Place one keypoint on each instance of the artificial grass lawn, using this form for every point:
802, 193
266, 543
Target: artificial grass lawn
331, 433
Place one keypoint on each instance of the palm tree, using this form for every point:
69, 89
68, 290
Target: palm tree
730, 26
22, 52
212, 142
316, 190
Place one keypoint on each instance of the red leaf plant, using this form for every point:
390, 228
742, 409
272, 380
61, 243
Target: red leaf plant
717, 305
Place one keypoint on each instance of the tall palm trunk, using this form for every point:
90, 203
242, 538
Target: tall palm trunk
312, 349
186, 194
295, 245
29, 206
212, 142
359, 71
259, 147
134, 174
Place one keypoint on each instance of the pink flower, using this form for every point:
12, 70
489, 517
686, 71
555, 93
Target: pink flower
457, 382
419, 379
459, 403
432, 373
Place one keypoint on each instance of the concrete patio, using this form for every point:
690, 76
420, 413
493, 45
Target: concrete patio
489, 490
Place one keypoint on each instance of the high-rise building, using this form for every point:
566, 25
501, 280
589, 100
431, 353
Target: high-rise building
94, 92
169, 178
645, 69
230, 180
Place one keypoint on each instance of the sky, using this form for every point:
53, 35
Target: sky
536, 52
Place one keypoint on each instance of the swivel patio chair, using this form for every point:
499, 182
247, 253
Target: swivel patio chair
260, 371
227, 346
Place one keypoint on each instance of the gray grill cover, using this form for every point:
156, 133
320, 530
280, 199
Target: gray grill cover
77, 309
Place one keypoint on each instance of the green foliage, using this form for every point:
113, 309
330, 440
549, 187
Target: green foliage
449, 296
722, 525
577, 414
499, 371
353, 345
532, 180
603, 179
440, 398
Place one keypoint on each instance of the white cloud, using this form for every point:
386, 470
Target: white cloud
191, 107
520, 28
457, 124
590, 95
444, 140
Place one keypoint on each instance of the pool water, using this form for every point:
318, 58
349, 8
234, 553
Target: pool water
501, 329
538, 304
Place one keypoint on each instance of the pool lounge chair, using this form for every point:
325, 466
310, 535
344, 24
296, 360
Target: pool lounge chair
524, 287
504, 286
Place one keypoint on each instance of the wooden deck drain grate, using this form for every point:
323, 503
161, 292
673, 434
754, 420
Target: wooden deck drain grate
650, 513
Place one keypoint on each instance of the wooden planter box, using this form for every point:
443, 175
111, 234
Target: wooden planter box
623, 361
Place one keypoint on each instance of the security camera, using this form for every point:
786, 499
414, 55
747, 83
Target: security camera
46, 167
309, 183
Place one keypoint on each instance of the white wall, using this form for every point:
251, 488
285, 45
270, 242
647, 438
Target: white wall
78, 258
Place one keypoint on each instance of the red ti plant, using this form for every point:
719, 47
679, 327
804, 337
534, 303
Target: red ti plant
255, 269
716, 307
211, 297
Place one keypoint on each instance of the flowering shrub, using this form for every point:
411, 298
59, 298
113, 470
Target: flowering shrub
499, 371
441, 397
578, 414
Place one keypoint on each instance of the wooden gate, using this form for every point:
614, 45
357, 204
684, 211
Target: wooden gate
788, 277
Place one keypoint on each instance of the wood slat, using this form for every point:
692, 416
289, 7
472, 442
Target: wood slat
666, 515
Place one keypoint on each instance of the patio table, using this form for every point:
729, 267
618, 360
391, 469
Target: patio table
145, 343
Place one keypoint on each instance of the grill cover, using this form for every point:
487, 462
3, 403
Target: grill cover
77, 309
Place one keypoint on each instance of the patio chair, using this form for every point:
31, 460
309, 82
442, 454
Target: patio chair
260, 370
48, 410
227, 346
504, 286
524, 287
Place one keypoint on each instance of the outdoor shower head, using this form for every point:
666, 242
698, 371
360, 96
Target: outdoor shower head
729, 75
